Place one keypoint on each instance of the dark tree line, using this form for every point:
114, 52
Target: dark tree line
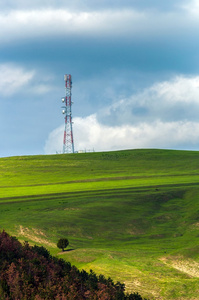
31, 273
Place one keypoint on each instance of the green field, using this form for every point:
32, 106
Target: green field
132, 215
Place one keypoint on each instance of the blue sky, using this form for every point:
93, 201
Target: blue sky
135, 69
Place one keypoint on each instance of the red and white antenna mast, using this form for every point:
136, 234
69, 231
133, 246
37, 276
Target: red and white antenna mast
68, 143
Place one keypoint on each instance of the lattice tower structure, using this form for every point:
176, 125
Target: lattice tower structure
68, 142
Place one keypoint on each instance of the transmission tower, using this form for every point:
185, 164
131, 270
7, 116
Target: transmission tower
68, 143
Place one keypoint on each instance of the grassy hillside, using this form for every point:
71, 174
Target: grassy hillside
132, 215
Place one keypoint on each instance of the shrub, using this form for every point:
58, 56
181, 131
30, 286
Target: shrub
62, 244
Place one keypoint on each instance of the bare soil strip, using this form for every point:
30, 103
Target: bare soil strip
35, 235
188, 266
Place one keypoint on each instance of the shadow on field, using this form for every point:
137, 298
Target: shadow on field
65, 251
68, 250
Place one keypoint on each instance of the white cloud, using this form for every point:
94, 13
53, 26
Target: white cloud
12, 78
192, 7
28, 24
174, 100
35, 23
179, 89
89, 134
166, 117
54, 143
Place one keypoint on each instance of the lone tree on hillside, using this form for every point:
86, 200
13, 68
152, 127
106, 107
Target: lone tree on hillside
62, 244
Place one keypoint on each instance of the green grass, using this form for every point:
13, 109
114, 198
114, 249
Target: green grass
132, 215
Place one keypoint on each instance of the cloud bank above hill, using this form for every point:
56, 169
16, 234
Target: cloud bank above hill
162, 116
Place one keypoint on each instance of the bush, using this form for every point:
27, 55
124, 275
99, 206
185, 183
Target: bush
62, 244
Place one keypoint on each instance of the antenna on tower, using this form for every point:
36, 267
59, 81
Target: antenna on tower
68, 143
